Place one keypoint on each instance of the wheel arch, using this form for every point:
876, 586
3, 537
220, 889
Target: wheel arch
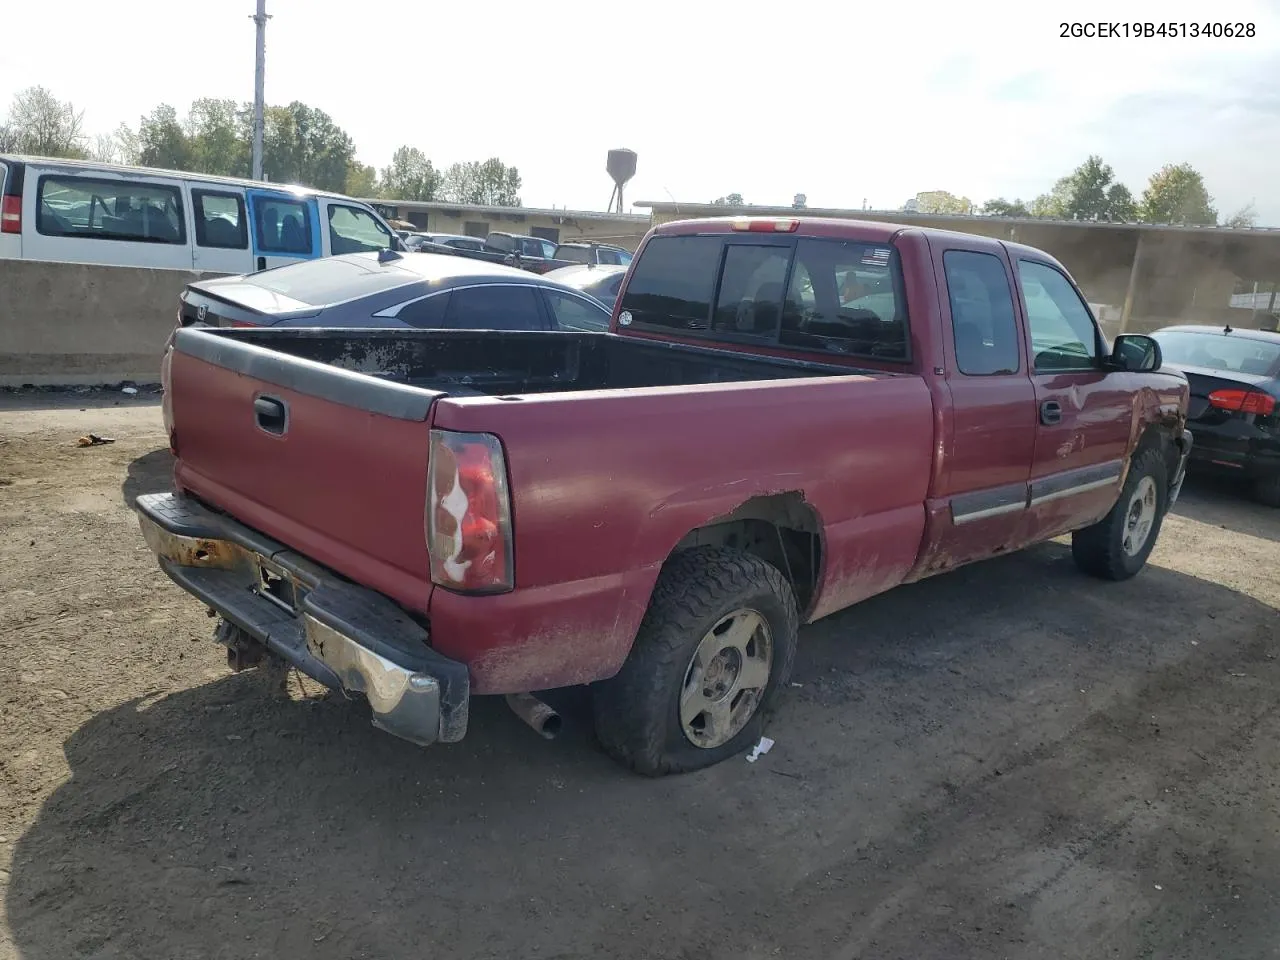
783, 529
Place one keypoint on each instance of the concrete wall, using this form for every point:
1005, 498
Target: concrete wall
73, 323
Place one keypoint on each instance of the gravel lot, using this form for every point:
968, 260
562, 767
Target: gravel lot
1008, 761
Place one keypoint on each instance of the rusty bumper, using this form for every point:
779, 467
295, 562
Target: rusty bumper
341, 635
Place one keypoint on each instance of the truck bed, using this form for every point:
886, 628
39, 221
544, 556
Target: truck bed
486, 362
615, 447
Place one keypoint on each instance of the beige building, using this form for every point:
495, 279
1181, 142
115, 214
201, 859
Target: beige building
1138, 276
560, 226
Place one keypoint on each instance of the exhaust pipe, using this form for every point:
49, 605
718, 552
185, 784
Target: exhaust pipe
544, 720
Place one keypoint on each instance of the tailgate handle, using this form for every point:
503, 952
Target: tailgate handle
272, 415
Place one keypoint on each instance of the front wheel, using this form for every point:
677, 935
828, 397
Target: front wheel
1117, 546
715, 647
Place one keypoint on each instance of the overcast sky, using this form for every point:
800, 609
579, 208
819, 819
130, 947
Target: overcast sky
844, 102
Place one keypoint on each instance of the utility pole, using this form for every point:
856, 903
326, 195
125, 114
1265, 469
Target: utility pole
259, 80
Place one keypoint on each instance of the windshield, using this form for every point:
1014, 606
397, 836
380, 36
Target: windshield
1219, 351
574, 254
352, 230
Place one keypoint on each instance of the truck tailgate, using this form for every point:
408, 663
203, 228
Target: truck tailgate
331, 463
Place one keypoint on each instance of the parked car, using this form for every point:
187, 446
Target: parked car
1234, 376
419, 290
600, 254
451, 240
419, 516
78, 211
603, 283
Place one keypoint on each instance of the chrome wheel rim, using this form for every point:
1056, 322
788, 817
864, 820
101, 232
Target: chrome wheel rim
726, 678
1140, 517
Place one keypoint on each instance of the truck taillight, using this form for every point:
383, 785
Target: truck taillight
11, 214
1243, 401
468, 513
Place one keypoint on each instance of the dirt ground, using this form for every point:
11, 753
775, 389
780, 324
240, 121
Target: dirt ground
1011, 761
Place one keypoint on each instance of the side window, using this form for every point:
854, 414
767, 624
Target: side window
282, 226
1063, 336
495, 307
110, 210
220, 220
624, 259
352, 230
610, 257
846, 297
430, 312
983, 324
751, 288
574, 313
673, 283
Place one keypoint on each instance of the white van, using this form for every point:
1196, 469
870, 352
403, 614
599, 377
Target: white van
76, 211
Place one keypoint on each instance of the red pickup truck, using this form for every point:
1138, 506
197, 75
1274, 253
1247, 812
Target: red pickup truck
788, 417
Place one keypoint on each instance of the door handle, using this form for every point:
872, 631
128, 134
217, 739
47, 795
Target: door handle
1050, 412
262, 263
271, 415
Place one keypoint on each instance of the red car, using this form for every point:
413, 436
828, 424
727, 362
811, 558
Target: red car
789, 416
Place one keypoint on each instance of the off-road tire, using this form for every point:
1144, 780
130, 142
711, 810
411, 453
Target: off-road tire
1266, 490
637, 712
1098, 550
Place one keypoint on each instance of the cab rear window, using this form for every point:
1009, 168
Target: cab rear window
828, 296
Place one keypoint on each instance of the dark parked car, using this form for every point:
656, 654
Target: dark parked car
392, 290
1234, 377
603, 283
600, 254
454, 240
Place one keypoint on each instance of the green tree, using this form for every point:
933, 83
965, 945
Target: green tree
942, 202
162, 142
1053, 205
362, 180
410, 176
1000, 207
1246, 216
730, 200
1091, 192
302, 145
1176, 194
217, 139
490, 183
41, 124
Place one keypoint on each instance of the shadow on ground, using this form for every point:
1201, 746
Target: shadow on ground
150, 473
1225, 502
1008, 761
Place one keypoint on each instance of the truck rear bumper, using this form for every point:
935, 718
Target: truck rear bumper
341, 635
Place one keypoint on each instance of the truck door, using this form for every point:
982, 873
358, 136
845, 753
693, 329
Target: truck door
286, 228
990, 440
1083, 414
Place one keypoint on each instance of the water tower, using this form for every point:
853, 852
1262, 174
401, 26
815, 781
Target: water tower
621, 167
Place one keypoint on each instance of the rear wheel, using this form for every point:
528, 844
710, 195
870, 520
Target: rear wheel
1266, 491
715, 647
1117, 546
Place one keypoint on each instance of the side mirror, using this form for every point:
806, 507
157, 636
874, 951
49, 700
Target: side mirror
1136, 353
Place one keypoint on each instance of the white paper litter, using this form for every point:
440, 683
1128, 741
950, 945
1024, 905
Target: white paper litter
129, 390
760, 749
